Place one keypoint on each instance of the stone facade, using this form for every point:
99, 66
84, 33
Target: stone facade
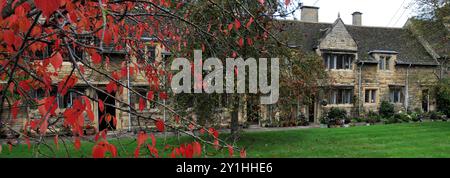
367, 65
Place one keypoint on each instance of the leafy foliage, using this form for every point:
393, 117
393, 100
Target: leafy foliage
386, 109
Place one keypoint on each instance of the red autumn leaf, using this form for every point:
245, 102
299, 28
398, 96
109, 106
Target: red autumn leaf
114, 121
197, 149
90, 115
141, 104
107, 38
15, 109
249, 22
55, 140
47, 6
136, 152
216, 144
153, 151
142, 137
112, 149
56, 61
202, 131
24, 85
237, 24
163, 96
159, 125
9, 37
150, 95
214, 132
100, 105
108, 117
249, 41
77, 143
243, 153
96, 58
43, 127
230, 26
241, 42
111, 87
98, 151
230, 150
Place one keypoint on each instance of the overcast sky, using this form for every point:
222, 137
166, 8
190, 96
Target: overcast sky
391, 13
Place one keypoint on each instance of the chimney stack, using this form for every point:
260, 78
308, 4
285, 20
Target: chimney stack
310, 14
357, 18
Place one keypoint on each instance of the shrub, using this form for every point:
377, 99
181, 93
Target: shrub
434, 115
386, 109
402, 117
415, 116
358, 119
302, 121
392, 120
337, 114
335, 117
442, 91
373, 117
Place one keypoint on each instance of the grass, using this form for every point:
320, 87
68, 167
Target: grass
430, 139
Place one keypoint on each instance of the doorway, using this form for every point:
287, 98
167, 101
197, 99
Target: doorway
108, 102
425, 100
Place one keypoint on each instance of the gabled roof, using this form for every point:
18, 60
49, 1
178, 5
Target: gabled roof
306, 35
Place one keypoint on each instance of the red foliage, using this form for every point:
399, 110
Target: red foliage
160, 125
102, 147
47, 6
243, 153
56, 60
230, 150
55, 140
101, 106
141, 104
77, 143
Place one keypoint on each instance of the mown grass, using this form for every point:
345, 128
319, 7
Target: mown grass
430, 139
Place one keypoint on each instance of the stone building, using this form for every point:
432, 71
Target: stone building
367, 64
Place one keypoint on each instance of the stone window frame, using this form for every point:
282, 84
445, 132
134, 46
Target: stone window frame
333, 97
384, 62
372, 100
331, 60
400, 94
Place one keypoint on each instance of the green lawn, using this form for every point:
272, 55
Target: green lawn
430, 139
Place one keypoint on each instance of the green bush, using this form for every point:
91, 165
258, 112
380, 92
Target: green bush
337, 114
392, 120
402, 117
358, 119
386, 109
442, 91
373, 117
334, 117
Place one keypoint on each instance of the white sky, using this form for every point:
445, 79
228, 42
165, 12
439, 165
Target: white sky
384, 13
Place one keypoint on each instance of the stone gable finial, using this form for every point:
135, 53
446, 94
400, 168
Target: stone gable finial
339, 15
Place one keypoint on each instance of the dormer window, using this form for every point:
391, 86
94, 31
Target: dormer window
384, 62
338, 61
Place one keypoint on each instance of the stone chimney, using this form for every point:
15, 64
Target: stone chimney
309, 14
357, 18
